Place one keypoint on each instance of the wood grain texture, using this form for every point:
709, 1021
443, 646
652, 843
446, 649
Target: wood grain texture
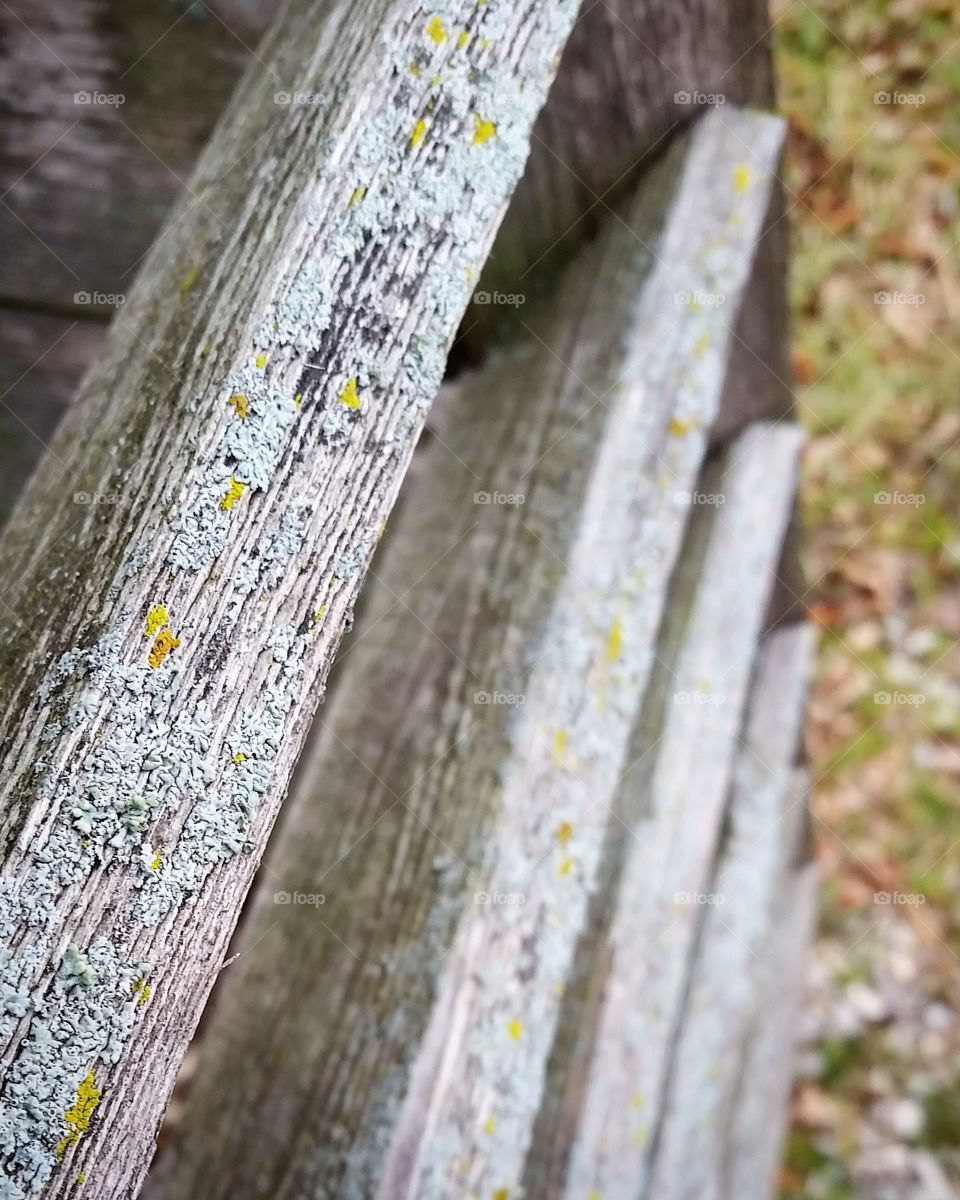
699, 1152
455, 805
41, 359
634, 73
107, 106
241, 439
85, 182
611, 1065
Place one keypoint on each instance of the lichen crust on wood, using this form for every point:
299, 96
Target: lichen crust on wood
559, 599
144, 762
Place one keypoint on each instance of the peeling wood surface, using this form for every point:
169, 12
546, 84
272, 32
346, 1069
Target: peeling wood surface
242, 436
454, 808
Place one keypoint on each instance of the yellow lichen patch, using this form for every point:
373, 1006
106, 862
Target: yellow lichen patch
501, 1194
680, 428
165, 642
637, 1100
560, 739
436, 30
156, 862
81, 1178
234, 492
559, 988
741, 178
490, 1124
414, 70
79, 1115
190, 279
239, 758
144, 989
564, 832
240, 404
463, 39
261, 361
419, 132
702, 345
640, 1137
206, 350
515, 1029
615, 641
358, 195
157, 617
593, 1194
319, 614
348, 397
483, 130
297, 400
565, 868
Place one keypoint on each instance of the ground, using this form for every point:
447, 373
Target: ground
871, 93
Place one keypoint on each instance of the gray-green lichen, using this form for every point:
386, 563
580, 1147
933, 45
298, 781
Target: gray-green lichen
83, 1018
139, 770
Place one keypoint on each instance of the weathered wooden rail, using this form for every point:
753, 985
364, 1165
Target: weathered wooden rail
241, 440
555, 717
486, 977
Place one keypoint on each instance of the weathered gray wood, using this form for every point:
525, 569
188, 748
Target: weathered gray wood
633, 72
86, 185
107, 105
85, 182
242, 439
699, 1151
761, 1115
407, 1027
42, 359
610, 1067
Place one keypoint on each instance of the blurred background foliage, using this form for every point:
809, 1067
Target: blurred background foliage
872, 94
